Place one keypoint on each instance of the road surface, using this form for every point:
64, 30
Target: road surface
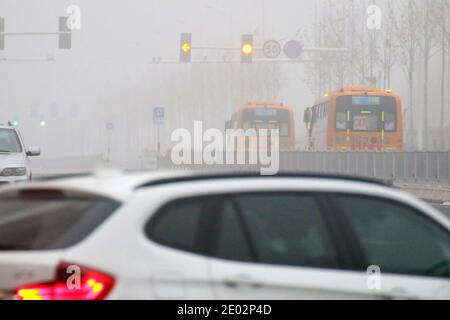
443, 208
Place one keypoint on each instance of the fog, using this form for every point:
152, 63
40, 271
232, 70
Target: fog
110, 76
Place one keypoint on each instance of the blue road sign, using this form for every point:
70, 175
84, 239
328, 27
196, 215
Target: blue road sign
293, 49
158, 115
109, 126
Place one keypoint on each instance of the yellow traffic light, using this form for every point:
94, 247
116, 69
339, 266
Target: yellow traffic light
186, 47
247, 49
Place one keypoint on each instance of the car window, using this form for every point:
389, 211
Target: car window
287, 229
397, 238
9, 141
231, 242
176, 226
49, 222
184, 224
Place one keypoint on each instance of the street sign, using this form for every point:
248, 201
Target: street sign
109, 126
271, 49
293, 49
158, 115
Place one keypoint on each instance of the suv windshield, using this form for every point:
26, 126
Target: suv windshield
9, 141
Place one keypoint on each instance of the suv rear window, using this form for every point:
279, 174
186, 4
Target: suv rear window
50, 222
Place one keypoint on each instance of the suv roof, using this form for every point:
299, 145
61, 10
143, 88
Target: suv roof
196, 176
120, 186
5, 126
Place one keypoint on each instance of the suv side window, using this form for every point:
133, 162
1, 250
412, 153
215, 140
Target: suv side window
231, 242
269, 228
178, 225
397, 238
205, 225
287, 229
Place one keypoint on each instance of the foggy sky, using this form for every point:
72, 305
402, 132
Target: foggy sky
115, 45
107, 75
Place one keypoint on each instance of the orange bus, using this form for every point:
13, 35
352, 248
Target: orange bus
355, 118
266, 115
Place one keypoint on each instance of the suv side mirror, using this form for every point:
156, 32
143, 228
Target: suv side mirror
34, 152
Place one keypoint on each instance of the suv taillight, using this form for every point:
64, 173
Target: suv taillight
90, 285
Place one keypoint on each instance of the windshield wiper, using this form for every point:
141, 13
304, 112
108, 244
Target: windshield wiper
5, 151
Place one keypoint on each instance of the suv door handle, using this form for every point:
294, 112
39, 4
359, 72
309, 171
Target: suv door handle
242, 281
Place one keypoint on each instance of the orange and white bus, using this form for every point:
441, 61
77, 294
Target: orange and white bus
355, 118
266, 115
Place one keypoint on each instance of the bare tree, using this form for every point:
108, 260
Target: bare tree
390, 47
406, 33
444, 37
428, 26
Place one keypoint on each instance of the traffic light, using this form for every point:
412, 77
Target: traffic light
65, 34
185, 47
2, 36
247, 48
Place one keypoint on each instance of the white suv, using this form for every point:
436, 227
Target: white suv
14, 158
222, 236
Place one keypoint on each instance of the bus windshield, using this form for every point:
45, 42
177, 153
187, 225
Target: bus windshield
366, 114
267, 118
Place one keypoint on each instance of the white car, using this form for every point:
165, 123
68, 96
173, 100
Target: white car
14, 158
219, 236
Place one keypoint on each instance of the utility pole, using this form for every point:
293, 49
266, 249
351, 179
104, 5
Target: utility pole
443, 43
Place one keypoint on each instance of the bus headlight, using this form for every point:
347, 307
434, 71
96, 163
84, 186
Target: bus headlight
14, 172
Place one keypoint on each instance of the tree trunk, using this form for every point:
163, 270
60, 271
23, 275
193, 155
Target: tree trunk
442, 124
426, 58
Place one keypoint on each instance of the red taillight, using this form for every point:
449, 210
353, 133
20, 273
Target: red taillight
91, 285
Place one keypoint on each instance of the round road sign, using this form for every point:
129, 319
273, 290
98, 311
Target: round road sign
293, 49
271, 49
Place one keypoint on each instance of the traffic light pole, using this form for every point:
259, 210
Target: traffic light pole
32, 33
259, 61
26, 59
158, 146
64, 33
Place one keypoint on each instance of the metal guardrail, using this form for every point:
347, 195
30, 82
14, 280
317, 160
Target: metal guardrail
424, 168
401, 167
65, 165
